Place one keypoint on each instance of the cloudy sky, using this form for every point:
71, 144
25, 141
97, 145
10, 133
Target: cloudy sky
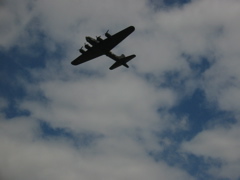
174, 114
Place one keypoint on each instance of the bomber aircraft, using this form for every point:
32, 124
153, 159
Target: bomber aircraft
99, 47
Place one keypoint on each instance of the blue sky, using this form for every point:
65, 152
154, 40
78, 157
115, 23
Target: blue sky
174, 114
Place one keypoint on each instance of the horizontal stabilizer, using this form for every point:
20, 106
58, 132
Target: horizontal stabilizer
122, 62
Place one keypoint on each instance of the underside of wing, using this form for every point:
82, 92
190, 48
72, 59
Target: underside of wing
112, 41
86, 56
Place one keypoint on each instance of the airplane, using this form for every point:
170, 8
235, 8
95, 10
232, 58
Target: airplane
98, 47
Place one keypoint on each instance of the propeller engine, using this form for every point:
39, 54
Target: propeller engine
87, 46
81, 50
122, 56
99, 38
107, 34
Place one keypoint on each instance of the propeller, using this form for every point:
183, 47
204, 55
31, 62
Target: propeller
107, 34
99, 38
81, 50
87, 46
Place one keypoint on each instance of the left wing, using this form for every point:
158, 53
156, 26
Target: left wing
112, 41
87, 56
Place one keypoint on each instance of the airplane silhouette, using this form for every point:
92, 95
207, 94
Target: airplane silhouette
101, 47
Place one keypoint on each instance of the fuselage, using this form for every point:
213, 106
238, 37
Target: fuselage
95, 42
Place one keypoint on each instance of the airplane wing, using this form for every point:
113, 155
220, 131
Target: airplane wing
112, 41
87, 56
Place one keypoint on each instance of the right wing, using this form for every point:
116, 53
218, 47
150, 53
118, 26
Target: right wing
86, 56
112, 41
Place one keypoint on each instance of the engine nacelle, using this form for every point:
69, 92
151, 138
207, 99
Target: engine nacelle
122, 56
99, 39
108, 35
81, 51
87, 46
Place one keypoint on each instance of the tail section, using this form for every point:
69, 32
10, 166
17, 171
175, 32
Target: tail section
122, 62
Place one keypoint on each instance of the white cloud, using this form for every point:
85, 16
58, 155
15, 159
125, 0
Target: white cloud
24, 155
221, 144
220, 84
14, 18
99, 104
120, 104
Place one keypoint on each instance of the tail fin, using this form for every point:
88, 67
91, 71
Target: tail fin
122, 62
